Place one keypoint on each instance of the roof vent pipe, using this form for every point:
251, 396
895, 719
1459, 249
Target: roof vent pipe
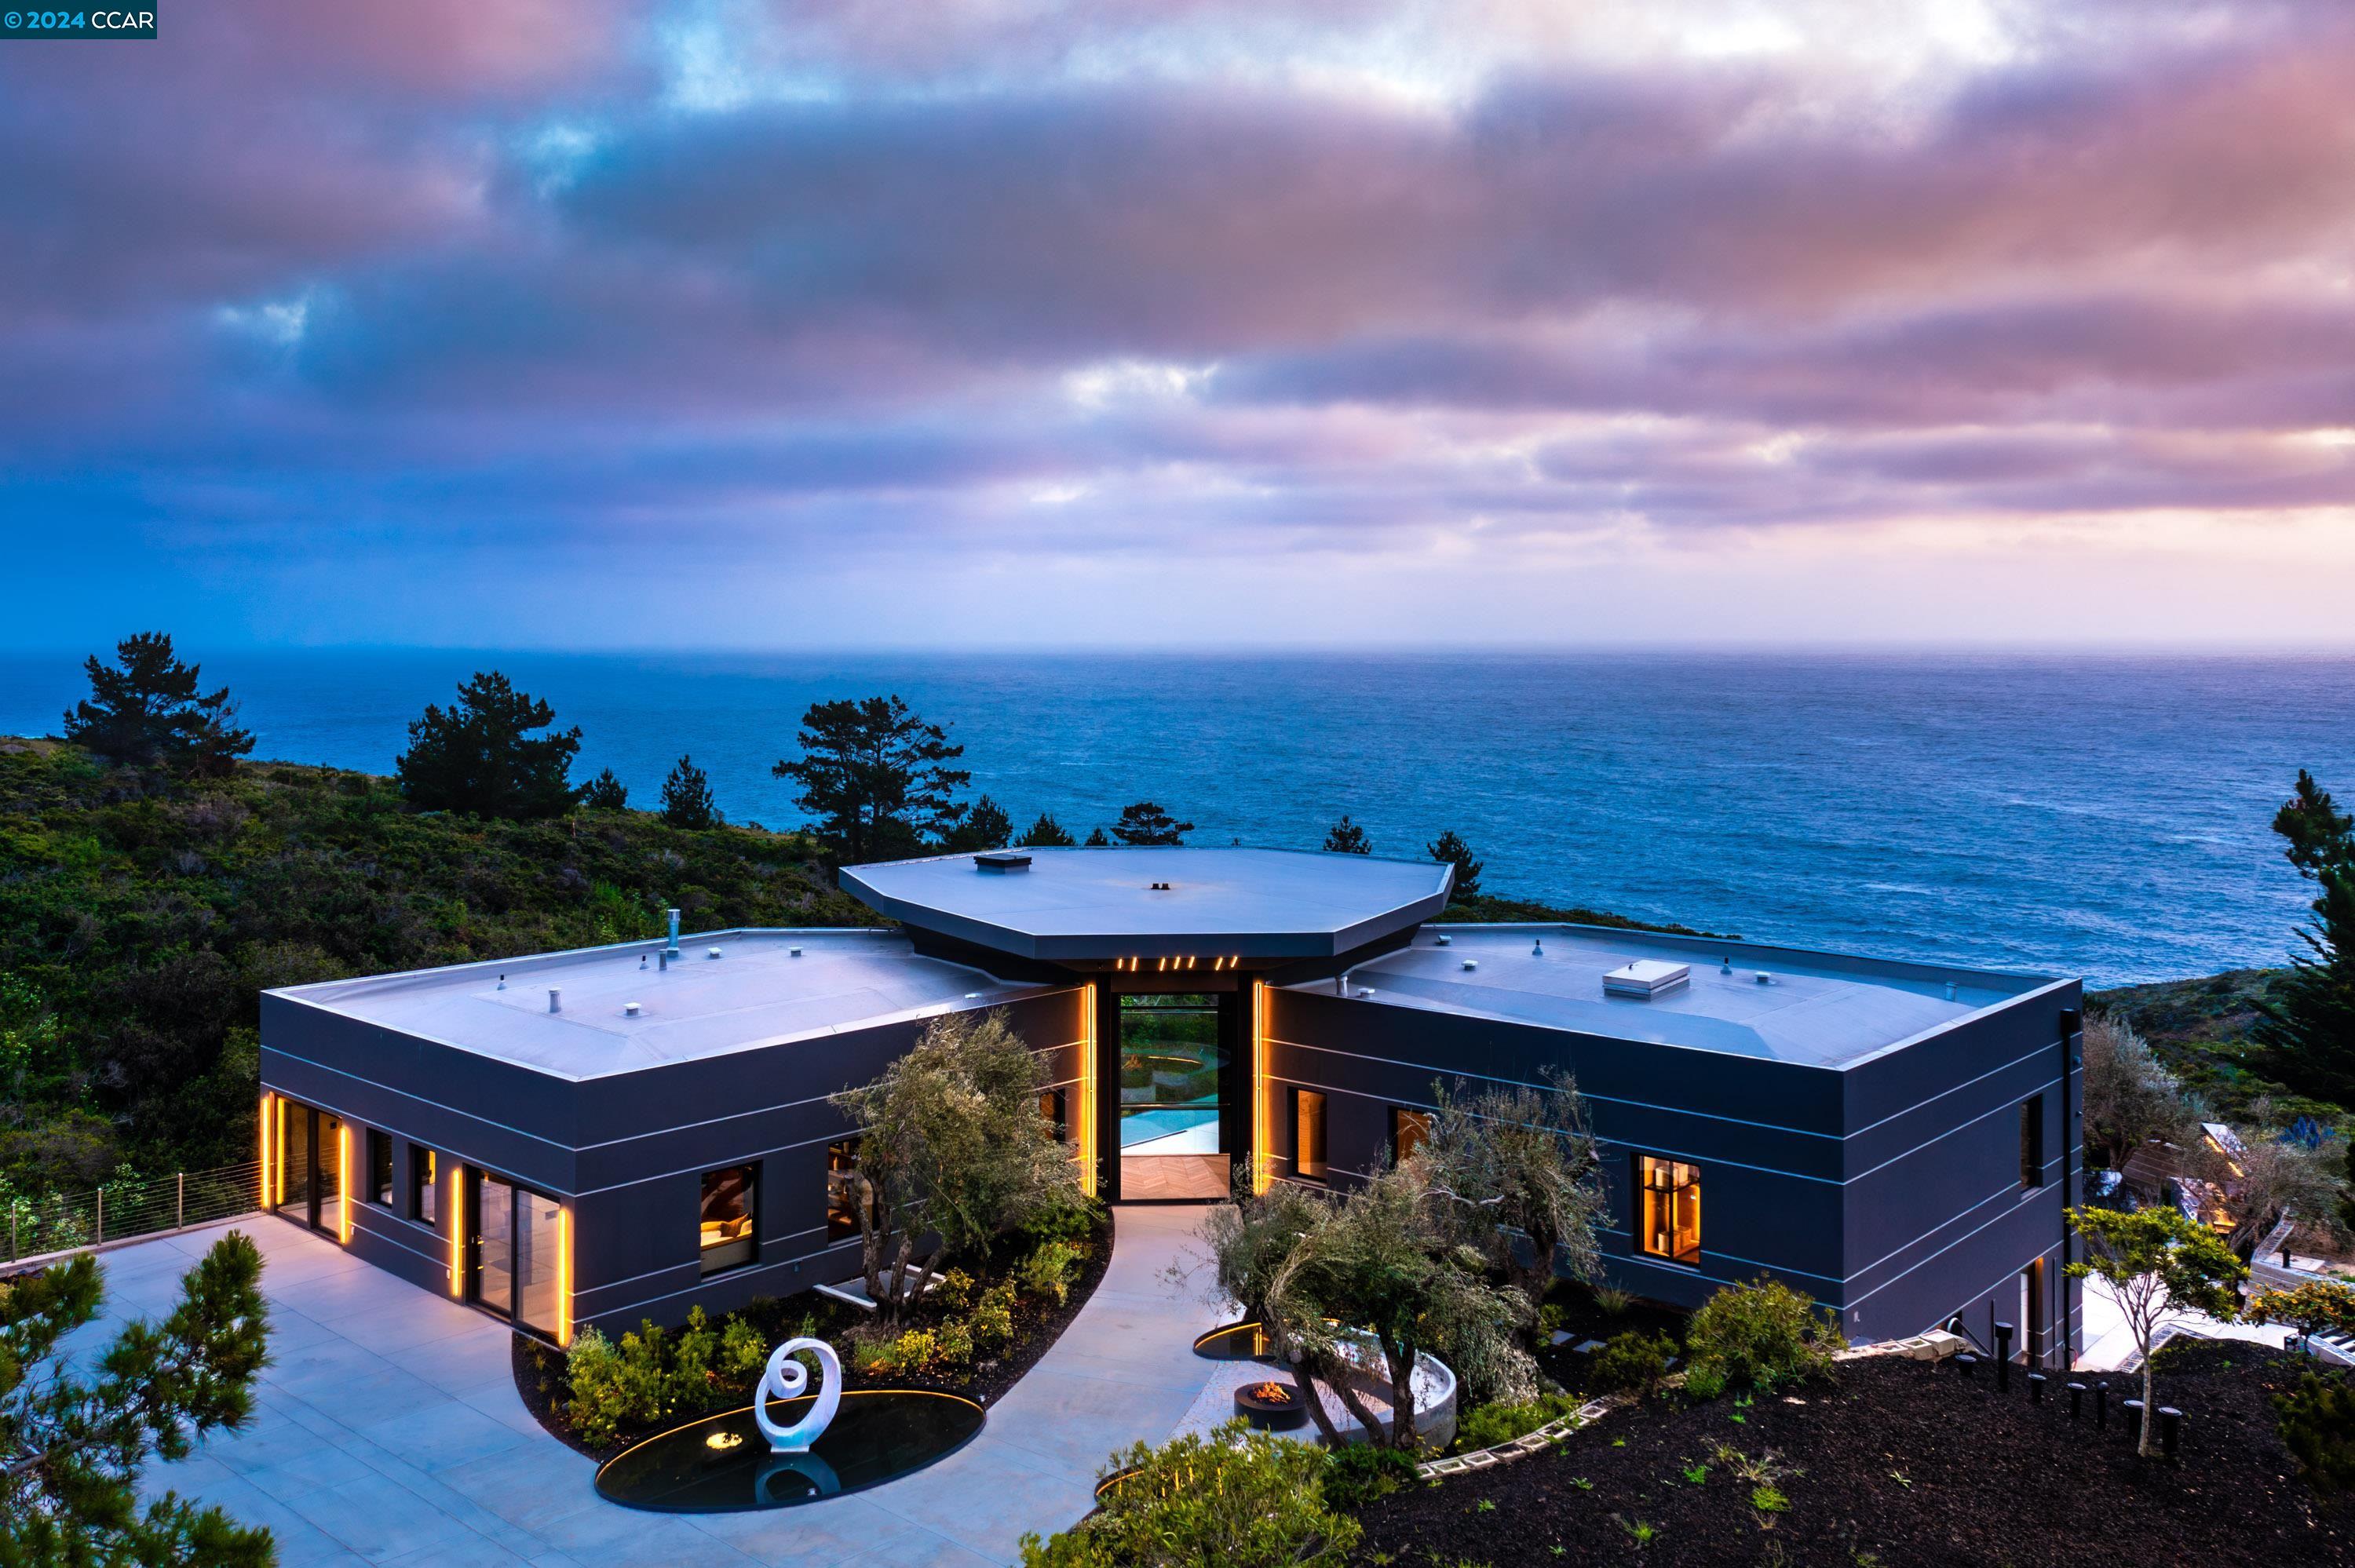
664, 966
674, 931
555, 1000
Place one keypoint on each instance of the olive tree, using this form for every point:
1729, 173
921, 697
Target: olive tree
2157, 1262
953, 1150
1377, 1263
1513, 1171
2130, 1097
73, 1438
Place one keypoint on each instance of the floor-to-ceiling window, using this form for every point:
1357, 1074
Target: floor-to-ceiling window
311, 1153
1173, 1082
515, 1262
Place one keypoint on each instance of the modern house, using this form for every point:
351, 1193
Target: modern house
599, 1135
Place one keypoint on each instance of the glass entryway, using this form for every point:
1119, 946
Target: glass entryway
514, 1252
1173, 1084
309, 1185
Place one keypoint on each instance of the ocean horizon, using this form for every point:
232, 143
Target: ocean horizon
2094, 813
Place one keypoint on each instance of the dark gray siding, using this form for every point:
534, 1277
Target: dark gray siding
1765, 1134
625, 1153
1889, 1192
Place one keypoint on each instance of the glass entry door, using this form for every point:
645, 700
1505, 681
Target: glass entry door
1173, 1088
310, 1167
492, 1205
515, 1252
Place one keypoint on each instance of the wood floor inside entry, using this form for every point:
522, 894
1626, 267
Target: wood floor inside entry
1196, 1177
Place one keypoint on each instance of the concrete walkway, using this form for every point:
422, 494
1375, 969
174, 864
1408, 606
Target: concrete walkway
388, 1429
2110, 1341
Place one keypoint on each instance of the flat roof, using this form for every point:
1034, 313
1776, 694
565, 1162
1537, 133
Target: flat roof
1100, 903
755, 993
1821, 1009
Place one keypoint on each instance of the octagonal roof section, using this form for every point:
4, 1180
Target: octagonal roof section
1081, 905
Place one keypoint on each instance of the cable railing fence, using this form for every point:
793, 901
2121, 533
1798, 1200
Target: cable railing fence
65, 1222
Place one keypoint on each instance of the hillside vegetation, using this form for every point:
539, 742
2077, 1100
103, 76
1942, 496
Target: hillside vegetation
2202, 1031
142, 914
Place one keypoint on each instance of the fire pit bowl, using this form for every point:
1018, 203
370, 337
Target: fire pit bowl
1271, 1407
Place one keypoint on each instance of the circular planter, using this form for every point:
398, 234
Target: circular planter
1271, 1407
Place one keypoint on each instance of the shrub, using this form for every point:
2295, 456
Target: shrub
953, 1344
1358, 1473
953, 1292
1612, 1299
1074, 1221
1550, 1317
689, 1383
2317, 1425
1634, 1361
1763, 1333
1236, 1498
614, 1384
1705, 1379
1486, 1425
743, 1352
1048, 1271
991, 1323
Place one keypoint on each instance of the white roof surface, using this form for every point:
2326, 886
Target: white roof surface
755, 993
1820, 1009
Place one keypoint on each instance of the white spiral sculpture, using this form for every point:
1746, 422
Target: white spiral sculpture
788, 1378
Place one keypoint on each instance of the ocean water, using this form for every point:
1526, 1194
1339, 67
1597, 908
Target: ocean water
2097, 815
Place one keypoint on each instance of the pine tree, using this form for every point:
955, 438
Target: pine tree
985, 827
1451, 850
480, 755
686, 798
605, 792
1146, 823
2307, 1026
1096, 840
149, 711
876, 778
76, 1430
1347, 838
1046, 833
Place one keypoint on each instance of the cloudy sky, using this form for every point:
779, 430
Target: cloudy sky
1180, 322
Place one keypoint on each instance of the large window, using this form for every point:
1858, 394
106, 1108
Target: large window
1308, 1134
515, 1259
425, 1191
1669, 1223
841, 1189
2031, 1143
726, 1218
379, 1166
1408, 1129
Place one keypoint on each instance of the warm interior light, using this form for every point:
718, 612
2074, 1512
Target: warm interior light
343, 1181
563, 1278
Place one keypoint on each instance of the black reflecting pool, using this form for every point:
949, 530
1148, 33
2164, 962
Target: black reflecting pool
1234, 1343
723, 1465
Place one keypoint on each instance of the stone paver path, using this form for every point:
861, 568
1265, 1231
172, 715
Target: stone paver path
389, 1430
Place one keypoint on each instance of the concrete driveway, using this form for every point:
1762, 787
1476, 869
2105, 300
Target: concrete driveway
388, 1429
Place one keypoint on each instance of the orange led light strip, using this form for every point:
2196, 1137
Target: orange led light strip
457, 1234
1262, 1115
563, 1277
343, 1181
1088, 1089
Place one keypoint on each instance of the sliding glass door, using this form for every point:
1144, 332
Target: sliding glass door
310, 1166
515, 1254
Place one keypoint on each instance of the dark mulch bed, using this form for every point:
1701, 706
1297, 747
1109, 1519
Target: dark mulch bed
1584, 1318
539, 1371
1901, 1464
